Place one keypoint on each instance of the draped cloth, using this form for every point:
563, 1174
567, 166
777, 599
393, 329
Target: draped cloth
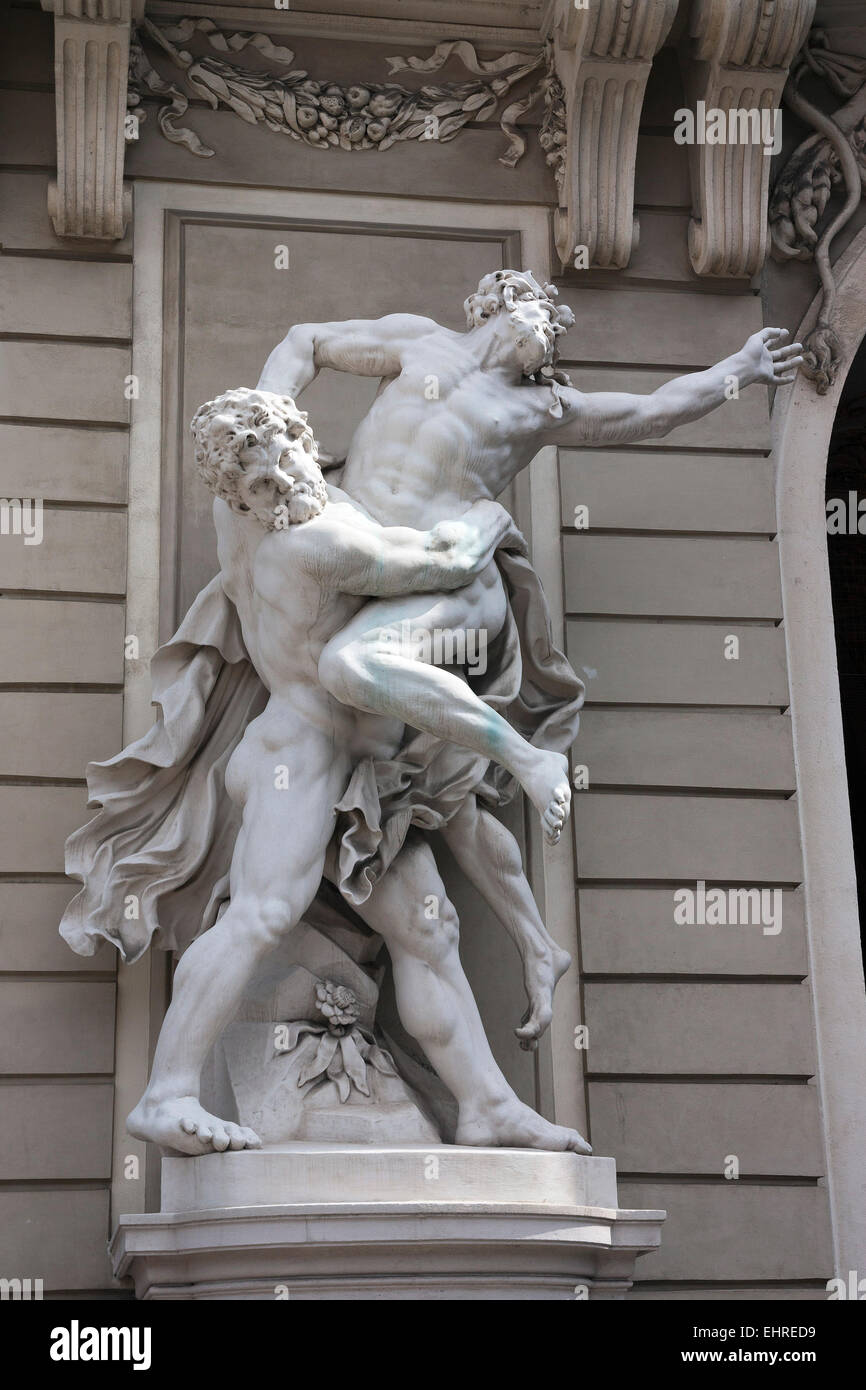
154, 861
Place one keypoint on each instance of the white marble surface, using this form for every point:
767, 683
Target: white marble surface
347, 1222
441, 1174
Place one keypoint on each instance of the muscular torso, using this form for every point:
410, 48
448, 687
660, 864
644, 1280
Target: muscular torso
441, 435
287, 615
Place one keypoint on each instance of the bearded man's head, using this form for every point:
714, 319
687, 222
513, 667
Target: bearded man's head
255, 450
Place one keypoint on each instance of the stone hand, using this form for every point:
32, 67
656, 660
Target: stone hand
476, 534
769, 360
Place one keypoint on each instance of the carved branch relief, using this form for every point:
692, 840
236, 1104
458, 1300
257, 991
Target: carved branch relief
831, 159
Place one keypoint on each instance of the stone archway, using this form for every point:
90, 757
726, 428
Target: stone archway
802, 426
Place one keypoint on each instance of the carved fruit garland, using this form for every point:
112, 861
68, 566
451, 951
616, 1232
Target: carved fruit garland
361, 117
552, 136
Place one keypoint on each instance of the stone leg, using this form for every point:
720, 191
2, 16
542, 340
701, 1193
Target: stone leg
437, 1006
489, 855
276, 869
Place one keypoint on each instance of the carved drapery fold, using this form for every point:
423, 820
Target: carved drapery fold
740, 54
91, 60
603, 56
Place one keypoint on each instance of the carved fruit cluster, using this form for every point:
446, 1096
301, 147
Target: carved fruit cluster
338, 1006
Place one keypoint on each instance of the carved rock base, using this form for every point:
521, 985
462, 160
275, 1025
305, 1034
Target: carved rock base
263, 1092
341, 1222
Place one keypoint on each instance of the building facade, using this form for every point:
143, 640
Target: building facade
165, 218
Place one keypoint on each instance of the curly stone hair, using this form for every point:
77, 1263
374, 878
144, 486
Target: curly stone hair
220, 428
500, 289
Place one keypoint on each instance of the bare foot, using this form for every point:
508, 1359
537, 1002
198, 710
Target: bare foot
183, 1125
512, 1125
549, 790
540, 978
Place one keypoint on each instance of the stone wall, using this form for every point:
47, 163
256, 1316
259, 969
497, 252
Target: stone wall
64, 355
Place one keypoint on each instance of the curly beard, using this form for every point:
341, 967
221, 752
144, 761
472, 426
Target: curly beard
548, 369
305, 501
544, 349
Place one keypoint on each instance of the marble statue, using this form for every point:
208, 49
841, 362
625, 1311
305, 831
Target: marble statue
313, 728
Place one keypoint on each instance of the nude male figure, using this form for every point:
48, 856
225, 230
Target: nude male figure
294, 587
421, 456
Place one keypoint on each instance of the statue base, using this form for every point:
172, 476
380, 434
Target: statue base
336, 1221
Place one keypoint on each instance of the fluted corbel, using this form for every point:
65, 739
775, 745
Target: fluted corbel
738, 60
91, 60
603, 54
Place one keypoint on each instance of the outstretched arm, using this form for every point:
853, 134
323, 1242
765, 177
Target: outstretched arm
614, 417
385, 561
367, 347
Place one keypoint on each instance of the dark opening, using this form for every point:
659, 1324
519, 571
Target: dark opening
846, 548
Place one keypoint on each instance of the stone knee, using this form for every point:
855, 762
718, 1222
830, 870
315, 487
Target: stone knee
352, 672
433, 930
262, 922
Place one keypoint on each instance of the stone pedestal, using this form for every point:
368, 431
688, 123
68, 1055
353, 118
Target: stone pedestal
316, 1221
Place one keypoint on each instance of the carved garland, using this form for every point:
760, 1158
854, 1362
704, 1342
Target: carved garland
834, 156
361, 117
553, 135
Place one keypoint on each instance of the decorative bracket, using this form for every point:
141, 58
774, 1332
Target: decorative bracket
740, 56
91, 62
603, 54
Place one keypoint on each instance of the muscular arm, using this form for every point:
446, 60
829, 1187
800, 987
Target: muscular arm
367, 347
385, 561
617, 417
